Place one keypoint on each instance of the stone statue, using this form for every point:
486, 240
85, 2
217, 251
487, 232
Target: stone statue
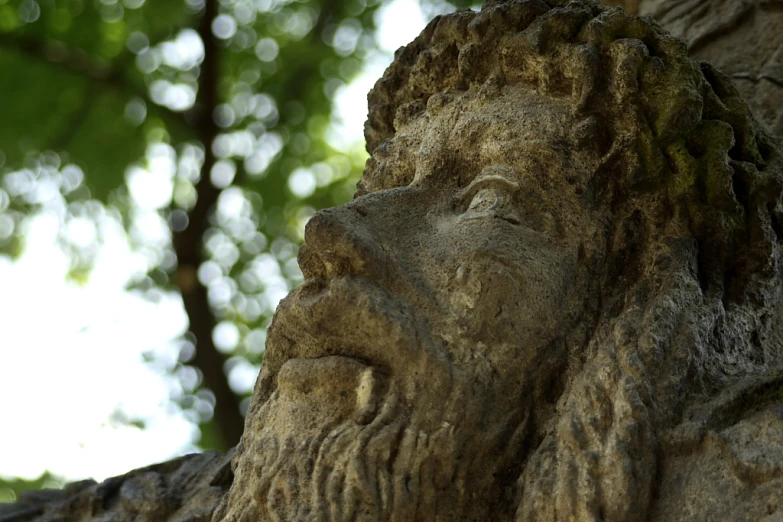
556, 288
556, 296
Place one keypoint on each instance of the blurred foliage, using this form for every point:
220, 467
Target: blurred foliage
10, 489
102, 120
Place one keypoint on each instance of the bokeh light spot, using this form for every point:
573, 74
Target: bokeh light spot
244, 13
267, 49
112, 13
177, 97
209, 272
301, 183
72, 178
148, 61
179, 220
6, 226
138, 42
195, 5
242, 376
225, 335
255, 341
136, 111
224, 26
184, 52
29, 11
347, 36
150, 190
224, 115
223, 173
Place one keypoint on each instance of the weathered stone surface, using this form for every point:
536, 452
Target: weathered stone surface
556, 297
740, 37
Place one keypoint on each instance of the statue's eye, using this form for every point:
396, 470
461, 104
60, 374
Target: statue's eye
491, 198
484, 199
499, 197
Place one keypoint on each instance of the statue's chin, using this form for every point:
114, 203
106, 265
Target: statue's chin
329, 450
334, 442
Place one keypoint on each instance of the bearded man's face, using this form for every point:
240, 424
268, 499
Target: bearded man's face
401, 380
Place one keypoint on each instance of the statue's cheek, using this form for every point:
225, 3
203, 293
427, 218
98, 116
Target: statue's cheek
485, 299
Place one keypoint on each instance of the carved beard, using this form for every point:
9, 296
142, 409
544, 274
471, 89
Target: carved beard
386, 469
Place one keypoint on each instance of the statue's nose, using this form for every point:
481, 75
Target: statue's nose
339, 241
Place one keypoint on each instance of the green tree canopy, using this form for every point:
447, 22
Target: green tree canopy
200, 125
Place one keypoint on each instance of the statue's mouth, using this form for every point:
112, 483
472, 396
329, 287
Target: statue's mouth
351, 328
334, 379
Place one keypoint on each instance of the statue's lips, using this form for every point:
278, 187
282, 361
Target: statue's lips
346, 317
302, 375
344, 365
354, 320
333, 379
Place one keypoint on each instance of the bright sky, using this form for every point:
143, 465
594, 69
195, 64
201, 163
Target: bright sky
71, 355
71, 358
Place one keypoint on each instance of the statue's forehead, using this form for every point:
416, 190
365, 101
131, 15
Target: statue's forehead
516, 113
515, 124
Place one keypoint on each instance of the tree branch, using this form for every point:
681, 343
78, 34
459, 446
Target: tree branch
188, 244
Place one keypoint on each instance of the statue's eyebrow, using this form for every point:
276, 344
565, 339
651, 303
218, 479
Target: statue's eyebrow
512, 178
494, 176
